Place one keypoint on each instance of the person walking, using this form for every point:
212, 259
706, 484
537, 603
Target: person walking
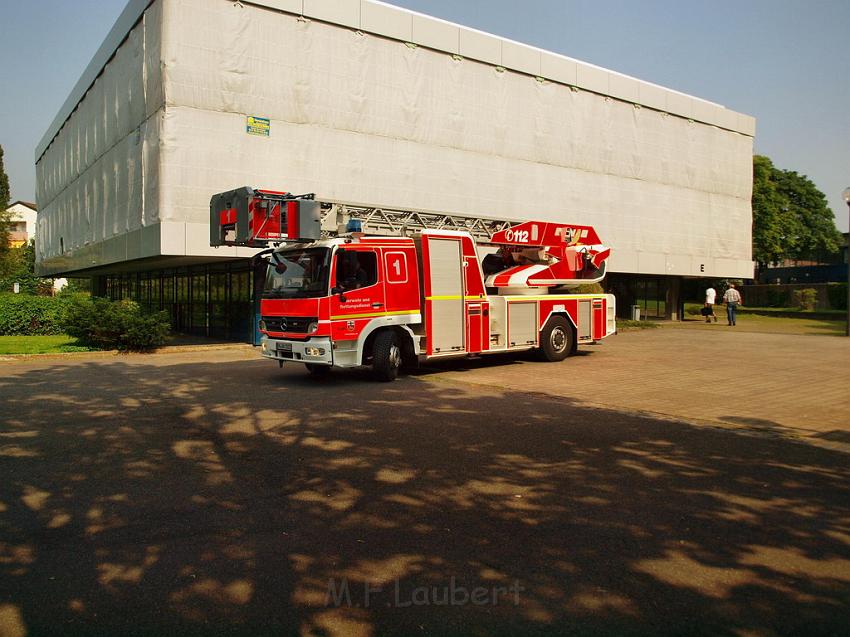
710, 298
732, 298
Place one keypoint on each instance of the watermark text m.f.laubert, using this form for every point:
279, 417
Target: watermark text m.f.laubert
343, 592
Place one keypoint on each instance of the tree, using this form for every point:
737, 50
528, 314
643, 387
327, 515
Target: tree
4, 184
816, 232
20, 269
791, 219
4, 215
772, 224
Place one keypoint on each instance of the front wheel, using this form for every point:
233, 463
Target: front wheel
386, 356
557, 340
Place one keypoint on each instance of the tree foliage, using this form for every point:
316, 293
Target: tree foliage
4, 215
19, 267
772, 223
5, 193
816, 223
791, 218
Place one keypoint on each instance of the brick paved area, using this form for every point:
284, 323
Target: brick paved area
208, 492
776, 383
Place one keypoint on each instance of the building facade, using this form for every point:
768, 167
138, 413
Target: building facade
360, 101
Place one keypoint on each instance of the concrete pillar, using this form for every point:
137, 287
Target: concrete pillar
672, 309
98, 286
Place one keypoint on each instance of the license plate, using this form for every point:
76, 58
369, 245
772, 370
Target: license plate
284, 347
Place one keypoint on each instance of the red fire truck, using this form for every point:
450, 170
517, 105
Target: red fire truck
426, 286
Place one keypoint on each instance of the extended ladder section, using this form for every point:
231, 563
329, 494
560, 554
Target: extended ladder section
401, 221
530, 254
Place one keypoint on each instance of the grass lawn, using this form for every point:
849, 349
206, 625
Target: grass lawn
783, 325
41, 345
767, 310
692, 309
628, 324
771, 324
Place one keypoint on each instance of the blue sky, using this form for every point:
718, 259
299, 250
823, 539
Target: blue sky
786, 63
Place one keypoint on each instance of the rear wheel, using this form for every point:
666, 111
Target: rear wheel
386, 356
557, 340
318, 371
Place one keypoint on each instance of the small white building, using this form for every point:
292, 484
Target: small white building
22, 219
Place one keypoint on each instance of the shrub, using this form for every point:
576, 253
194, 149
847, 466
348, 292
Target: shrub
588, 288
837, 295
28, 315
114, 324
777, 298
147, 331
806, 299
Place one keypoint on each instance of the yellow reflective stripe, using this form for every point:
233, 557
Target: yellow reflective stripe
455, 298
559, 296
374, 314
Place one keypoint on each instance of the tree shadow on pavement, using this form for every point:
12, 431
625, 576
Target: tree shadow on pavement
231, 498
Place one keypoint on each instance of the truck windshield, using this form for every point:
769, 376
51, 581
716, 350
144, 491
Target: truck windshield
298, 274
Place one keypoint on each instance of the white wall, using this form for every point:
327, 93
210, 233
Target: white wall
97, 181
359, 117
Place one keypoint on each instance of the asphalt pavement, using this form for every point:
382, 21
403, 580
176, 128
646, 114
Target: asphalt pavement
209, 492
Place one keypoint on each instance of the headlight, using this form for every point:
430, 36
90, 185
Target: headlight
312, 327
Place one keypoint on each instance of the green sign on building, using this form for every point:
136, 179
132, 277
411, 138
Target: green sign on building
258, 126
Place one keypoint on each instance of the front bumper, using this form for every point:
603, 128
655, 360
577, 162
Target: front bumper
316, 350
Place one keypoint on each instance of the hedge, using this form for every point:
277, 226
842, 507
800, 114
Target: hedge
29, 315
97, 322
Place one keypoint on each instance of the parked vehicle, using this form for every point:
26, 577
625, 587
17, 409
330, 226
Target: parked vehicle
349, 298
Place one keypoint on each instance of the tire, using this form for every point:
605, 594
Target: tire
318, 371
557, 340
386, 356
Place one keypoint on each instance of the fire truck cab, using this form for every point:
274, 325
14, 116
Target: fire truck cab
387, 301
325, 302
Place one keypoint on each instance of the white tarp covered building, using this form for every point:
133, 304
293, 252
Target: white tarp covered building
369, 103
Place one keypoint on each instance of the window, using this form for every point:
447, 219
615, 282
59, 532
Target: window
355, 269
298, 274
